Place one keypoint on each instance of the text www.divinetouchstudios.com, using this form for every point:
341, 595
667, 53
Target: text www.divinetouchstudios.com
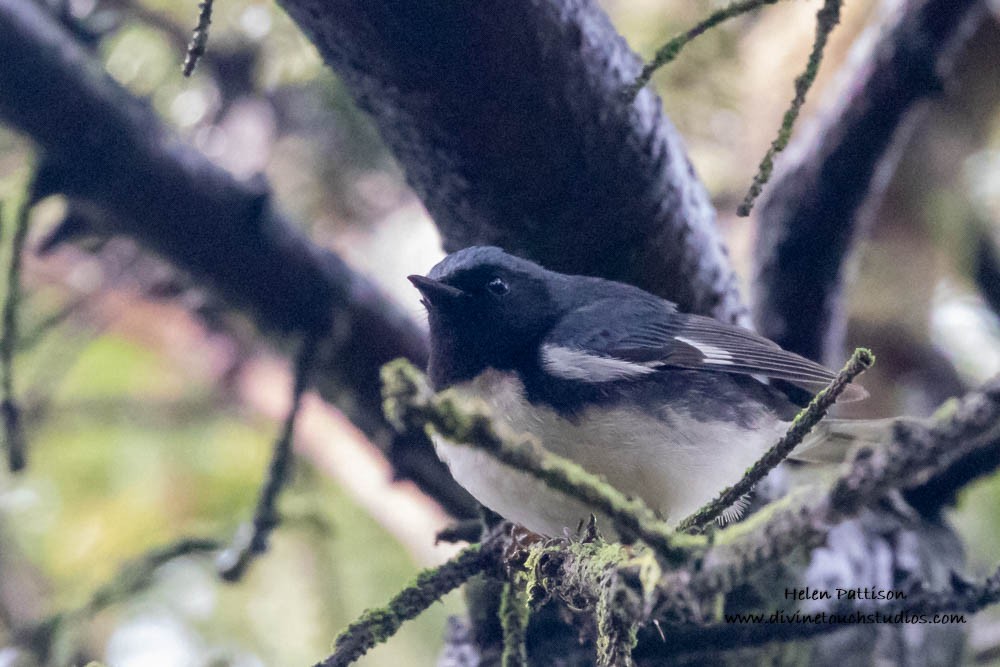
873, 615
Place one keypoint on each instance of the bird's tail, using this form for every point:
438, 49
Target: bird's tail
832, 439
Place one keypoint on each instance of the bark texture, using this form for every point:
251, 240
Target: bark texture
510, 120
103, 147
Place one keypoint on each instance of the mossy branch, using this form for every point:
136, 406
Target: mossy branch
618, 617
514, 621
577, 572
826, 19
377, 625
666, 53
860, 361
625, 590
409, 403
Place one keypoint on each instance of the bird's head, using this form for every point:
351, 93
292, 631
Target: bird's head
487, 309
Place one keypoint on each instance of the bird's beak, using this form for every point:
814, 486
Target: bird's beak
435, 292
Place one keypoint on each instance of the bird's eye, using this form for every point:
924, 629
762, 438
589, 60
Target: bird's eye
497, 286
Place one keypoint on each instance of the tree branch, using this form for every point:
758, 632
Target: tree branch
104, 147
251, 539
826, 20
14, 437
41, 638
514, 621
812, 212
527, 162
986, 270
377, 625
199, 38
666, 53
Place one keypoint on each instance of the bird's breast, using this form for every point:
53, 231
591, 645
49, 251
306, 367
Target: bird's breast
672, 461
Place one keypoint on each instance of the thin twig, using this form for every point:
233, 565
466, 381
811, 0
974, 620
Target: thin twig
132, 577
199, 38
377, 625
38, 331
251, 539
135, 574
826, 19
860, 361
410, 403
666, 53
13, 429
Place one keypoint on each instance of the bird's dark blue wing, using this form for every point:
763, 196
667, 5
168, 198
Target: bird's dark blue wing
618, 339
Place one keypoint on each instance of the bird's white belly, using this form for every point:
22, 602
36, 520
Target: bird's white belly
676, 464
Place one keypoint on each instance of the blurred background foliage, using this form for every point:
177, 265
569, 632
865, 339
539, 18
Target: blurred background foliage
147, 415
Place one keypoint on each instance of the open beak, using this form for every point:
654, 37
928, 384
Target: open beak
436, 293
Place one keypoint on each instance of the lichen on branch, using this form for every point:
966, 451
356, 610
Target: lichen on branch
666, 53
377, 625
827, 18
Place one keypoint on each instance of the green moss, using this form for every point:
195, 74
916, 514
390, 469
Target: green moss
617, 612
375, 626
513, 620
669, 51
650, 573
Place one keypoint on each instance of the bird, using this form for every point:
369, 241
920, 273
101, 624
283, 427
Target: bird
667, 406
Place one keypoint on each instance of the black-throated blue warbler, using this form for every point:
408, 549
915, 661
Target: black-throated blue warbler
667, 406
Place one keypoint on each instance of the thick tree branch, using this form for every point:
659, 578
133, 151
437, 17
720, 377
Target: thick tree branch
509, 119
104, 147
812, 213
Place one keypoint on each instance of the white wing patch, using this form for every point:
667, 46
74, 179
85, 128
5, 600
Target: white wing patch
575, 364
713, 354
